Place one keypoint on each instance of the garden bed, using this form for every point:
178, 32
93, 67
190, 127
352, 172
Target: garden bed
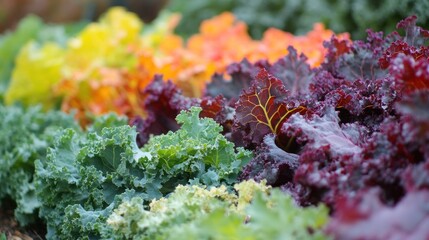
124, 130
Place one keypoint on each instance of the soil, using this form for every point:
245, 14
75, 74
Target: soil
10, 228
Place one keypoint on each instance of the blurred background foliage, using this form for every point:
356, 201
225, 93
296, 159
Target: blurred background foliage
298, 16
66, 11
295, 16
31, 28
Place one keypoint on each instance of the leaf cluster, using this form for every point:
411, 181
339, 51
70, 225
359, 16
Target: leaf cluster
25, 136
87, 174
192, 212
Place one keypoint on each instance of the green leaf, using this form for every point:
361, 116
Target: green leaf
192, 212
196, 148
85, 174
26, 134
292, 221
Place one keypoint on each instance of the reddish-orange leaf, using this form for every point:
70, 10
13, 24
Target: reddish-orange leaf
410, 74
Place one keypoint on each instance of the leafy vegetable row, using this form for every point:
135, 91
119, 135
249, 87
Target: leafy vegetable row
351, 134
106, 66
98, 183
25, 136
346, 137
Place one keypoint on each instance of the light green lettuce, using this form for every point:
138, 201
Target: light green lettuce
254, 212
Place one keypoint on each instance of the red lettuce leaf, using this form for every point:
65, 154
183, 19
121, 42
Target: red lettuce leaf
410, 74
411, 45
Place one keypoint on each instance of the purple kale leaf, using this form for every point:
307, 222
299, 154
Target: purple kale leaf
294, 72
409, 74
218, 109
358, 60
241, 75
271, 163
366, 217
323, 131
263, 108
412, 44
416, 177
415, 115
163, 101
326, 156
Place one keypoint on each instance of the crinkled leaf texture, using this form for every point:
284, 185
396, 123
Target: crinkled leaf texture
414, 108
365, 122
192, 212
25, 136
86, 175
163, 101
264, 95
410, 74
413, 44
359, 59
196, 152
184, 208
37, 70
293, 71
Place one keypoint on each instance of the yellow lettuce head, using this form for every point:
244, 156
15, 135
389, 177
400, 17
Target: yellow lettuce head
36, 71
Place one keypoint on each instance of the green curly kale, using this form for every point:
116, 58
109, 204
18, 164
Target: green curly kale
196, 153
86, 175
192, 212
25, 136
185, 204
